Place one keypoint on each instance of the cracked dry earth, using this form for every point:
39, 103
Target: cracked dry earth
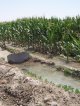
16, 89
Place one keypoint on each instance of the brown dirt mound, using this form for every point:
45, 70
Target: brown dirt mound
19, 90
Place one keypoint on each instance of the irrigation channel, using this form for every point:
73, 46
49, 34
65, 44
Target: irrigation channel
49, 73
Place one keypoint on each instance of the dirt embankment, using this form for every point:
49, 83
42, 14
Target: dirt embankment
19, 90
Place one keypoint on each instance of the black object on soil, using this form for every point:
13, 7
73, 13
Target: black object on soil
18, 58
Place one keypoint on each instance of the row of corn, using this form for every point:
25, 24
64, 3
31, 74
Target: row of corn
44, 35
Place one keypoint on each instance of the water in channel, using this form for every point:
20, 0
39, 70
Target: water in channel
50, 73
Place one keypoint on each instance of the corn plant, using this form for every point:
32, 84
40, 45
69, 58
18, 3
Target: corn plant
44, 35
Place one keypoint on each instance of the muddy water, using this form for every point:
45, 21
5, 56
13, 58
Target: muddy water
50, 73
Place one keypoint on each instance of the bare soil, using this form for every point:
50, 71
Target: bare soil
58, 60
16, 89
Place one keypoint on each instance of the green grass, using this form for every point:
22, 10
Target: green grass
69, 88
67, 72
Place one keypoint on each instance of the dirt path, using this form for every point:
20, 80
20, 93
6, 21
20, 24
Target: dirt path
19, 90
59, 61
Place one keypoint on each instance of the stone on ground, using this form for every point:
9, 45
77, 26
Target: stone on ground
17, 58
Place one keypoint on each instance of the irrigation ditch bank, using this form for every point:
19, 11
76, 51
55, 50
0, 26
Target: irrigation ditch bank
16, 89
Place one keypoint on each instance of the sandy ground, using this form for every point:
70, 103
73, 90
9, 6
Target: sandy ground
4, 54
18, 90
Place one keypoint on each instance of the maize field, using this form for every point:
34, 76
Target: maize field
54, 36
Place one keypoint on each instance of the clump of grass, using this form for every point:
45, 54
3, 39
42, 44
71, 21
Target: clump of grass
77, 91
46, 81
67, 72
31, 74
34, 75
69, 88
